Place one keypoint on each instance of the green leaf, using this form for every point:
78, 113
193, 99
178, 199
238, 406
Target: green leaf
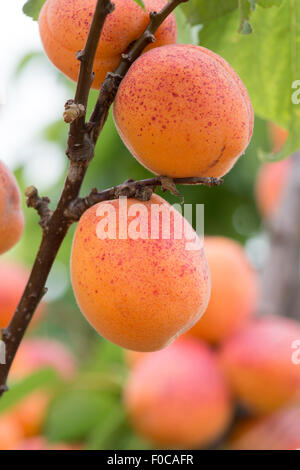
104, 434
43, 378
268, 62
140, 3
269, 3
75, 413
32, 8
203, 11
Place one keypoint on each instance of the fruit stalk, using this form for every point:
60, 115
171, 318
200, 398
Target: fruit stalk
82, 139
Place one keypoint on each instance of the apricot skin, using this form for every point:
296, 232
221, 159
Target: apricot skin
271, 181
139, 294
64, 25
178, 397
258, 363
182, 111
234, 292
279, 431
13, 278
11, 215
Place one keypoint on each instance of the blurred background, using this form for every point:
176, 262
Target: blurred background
78, 402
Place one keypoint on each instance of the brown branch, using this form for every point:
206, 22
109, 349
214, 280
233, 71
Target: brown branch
141, 190
81, 143
112, 81
280, 293
80, 151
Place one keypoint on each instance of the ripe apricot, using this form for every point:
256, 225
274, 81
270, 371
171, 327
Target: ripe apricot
234, 290
11, 215
33, 355
64, 25
178, 397
271, 182
258, 363
183, 111
140, 287
10, 432
278, 136
13, 279
279, 431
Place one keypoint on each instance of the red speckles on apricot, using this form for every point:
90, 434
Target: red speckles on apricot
148, 290
64, 25
214, 116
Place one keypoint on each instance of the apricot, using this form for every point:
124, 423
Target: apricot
11, 215
178, 397
10, 432
278, 136
271, 181
279, 431
13, 279
64, 25
234, 291
34, 354
183, 111
138, 285
258, 363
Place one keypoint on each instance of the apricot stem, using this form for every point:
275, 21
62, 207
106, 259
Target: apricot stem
142, 190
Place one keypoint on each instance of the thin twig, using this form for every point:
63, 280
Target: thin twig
142, 190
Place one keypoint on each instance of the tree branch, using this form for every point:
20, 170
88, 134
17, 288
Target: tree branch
141, 190
80, 151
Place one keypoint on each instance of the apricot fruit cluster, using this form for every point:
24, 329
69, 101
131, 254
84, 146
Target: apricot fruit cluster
11, 215
64, 26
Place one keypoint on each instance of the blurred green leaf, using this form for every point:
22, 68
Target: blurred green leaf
256, 59
203, 11
75, 413
43, 378
140, 3
103, 436
28, 58
32, 8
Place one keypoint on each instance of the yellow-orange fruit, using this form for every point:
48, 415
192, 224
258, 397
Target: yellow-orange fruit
279, 431
10, 432
64, 25
258, 361
183, 111
139, 286
11, 215
271, 182
278, 136
33, 355
13, 279
234, 290
178, 397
